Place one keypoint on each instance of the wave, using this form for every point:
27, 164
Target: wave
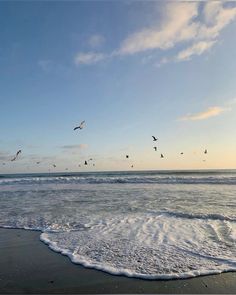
158, 179
184, 215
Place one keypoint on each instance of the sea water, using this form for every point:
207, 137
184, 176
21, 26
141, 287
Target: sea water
151, 224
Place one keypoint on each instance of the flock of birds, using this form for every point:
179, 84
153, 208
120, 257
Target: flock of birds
80, 127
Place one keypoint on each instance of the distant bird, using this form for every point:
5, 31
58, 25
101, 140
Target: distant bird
205, 152
17, 154
93, 164
181, 153
37, 162
154, 138
66, 169
81, 126
90, 159
162, 156
85, 163
155, 148
54, 165
132, 166
127, 156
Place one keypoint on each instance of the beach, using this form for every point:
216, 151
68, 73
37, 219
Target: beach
29, 266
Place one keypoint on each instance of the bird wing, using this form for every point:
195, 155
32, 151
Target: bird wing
76, 128
81, 124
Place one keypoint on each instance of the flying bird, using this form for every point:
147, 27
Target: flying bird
181, 153
81, 126
155, 148
54, 165
17, 154
127, 156
205, 152
162, 156
37, 162
154, 138
132, 166
85, 163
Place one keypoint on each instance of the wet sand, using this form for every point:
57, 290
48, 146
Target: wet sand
27, 265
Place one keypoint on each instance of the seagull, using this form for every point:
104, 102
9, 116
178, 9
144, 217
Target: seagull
85, 163
81, 126
162, 156
155, 148
17, 154
205, 152
127, 156
154, 138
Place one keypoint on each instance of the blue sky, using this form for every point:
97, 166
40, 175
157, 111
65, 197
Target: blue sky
131, 70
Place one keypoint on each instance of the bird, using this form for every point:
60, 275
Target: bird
66, 169
181, 153
81, 126
162, 156
17, 154
132, 166
37, 162
90, 159
85, 163
155, 148
154, 138
127, 156
54, 165
93, 164
205, 152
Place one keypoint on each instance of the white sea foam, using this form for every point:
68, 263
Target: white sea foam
151, 231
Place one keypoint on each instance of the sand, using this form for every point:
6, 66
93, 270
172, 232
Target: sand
27, 265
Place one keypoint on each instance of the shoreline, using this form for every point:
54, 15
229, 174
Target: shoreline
30, 266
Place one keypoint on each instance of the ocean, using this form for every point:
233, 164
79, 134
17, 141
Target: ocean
144, 224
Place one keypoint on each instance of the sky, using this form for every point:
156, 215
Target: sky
131, 70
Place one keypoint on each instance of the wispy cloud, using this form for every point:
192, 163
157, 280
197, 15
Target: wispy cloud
96, 41
75, 146
45, 64
4, 156
210, 112
196, 49
194, 25
89, 58
177, 26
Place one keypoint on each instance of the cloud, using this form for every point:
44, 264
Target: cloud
178, 26
45, 65
193, 25
89, 58
210, 112
196, 49
75, 146
4, 156
96, 41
